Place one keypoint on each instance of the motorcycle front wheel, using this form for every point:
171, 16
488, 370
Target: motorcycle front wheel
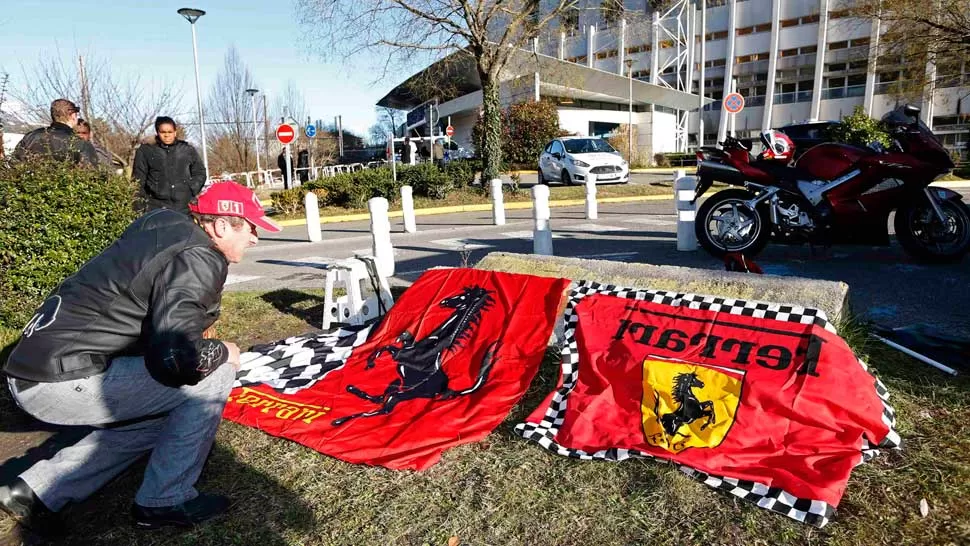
923, 236
725, 224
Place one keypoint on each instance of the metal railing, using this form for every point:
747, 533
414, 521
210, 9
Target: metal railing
273, 178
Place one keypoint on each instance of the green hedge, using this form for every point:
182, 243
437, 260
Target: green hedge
53, 218
353, 190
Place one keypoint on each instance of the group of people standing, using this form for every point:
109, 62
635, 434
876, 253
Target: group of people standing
122, 346
168, 170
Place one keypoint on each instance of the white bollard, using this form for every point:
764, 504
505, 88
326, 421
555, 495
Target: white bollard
498, 203
591, 210
678, 174
380, 229
686, 212
542, 235
407, 206
312, 217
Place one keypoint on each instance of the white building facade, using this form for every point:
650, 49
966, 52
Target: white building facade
791, 60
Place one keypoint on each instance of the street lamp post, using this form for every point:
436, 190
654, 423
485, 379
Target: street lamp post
192, 15
259, 170
629, 136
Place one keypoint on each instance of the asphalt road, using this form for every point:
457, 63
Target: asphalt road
885, 284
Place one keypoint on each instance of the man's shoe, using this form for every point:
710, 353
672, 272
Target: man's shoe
188, 514
20, 501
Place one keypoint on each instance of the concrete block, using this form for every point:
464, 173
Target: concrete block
831, 297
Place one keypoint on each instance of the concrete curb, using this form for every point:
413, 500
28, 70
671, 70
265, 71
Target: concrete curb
829, 296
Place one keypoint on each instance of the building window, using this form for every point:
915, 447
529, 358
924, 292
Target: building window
838, 45
835, 67
606, 54
638, 49
839, 14
612, 12
789, 23
719, 35
809, 19
858, 65
745, 31
859, 42
805, 50
788, 52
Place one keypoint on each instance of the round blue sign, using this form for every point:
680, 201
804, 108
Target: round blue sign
311, 131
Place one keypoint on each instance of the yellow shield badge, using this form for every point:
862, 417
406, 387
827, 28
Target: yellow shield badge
685, 405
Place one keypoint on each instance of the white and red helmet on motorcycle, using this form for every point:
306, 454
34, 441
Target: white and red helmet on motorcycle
777, 145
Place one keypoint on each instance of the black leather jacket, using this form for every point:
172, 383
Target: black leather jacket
57, 142
169, 176
152, 293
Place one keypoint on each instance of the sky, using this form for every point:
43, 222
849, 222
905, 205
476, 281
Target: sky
150, 39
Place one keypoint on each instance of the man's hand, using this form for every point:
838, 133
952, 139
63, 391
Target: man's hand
233, 354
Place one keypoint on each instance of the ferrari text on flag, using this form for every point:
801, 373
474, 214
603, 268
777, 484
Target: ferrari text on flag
442, 368
764, 401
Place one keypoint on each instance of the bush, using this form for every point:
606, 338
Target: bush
53, 219
288, 201
858, 129
461, 172
661, 160
427, 180
526, 129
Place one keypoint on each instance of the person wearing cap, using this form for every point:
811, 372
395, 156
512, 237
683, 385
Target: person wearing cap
119, 346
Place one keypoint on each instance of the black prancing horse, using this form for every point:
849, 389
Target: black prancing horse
419, 362
690, 410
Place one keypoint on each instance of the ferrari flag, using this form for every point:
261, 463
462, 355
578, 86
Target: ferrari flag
442, 368
764, 401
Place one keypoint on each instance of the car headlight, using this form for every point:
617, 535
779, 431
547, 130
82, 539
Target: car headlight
623, 163
579, 163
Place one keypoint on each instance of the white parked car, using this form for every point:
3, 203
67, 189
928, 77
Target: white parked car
573, 160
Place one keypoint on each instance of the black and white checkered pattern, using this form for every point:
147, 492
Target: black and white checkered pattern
297, 363
813, 512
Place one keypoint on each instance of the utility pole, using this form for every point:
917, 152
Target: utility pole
340, 136
85, 92
269, 155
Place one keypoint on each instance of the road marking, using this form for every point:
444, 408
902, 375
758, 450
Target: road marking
528, 234
369, 252
654, 221
461, 244
596, 228
236, 279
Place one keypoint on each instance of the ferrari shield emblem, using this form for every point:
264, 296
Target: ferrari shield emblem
685, 405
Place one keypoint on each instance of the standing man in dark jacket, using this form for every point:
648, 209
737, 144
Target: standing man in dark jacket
169, 172
58, 141
119, 345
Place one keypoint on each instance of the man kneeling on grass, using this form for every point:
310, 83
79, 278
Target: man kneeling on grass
119, 345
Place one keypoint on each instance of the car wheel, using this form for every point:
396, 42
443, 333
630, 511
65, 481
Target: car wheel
541, 178
566, 179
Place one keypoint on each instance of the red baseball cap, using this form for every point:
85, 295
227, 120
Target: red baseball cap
228, 198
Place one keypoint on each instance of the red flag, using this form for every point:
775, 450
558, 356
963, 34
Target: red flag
762, 400
443, 368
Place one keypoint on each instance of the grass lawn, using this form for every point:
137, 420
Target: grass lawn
505, 491
471, 196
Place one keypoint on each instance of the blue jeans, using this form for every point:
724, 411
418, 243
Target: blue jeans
179, 438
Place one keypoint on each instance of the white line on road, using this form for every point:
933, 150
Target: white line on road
654, 221
461, 244
594, 228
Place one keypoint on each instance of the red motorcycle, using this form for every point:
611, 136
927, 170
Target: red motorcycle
834, 194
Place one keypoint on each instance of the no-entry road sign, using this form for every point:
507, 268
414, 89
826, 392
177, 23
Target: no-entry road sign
734, 103
285, 134
450, 131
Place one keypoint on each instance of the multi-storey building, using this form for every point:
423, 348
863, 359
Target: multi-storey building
792, 60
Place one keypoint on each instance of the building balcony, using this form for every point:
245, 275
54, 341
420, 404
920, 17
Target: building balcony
795, 61
859, 53
757, 67
844, 92
793, 97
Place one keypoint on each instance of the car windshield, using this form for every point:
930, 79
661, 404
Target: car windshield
587, 146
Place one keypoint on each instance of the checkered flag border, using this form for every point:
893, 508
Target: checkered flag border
293, 364
812, 512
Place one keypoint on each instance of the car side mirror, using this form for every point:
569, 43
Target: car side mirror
911, 111
557, 155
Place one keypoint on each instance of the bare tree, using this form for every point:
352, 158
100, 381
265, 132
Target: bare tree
915, 32
231, 111
122, 107
413, 32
